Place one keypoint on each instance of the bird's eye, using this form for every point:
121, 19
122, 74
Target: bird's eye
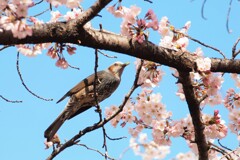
115, 64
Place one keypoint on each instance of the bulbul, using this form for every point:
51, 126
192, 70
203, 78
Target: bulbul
82, 95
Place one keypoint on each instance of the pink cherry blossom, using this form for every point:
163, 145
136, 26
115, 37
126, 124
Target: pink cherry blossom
180, 92
30, 51
150, 74
119, 12
150, 15
22, 10
164, 26
186, 156
73, 3
55, 15
57, 3
236, 78
3, 4
203, 64
62, 63
135, 131
21, 29
198, 52
71, 50
151, 150
182, 43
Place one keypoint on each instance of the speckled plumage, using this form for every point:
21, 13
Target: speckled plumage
82, 95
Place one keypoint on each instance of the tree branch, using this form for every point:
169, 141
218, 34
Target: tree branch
194, 108
67, 33
91, 12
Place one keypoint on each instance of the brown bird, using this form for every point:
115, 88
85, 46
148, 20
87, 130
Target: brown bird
82, 95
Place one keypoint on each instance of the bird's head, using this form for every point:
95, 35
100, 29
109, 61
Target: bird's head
117, 68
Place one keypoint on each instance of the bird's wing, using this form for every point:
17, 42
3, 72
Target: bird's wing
85, 83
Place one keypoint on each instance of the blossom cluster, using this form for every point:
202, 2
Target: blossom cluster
232, 103
150, 74
13, 17
171, 37
68, 3
136, 28
148, 150
57, 52
206, 84
132, 26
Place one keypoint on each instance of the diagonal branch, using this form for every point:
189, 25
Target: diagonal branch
194, 108
91, 12
74, 141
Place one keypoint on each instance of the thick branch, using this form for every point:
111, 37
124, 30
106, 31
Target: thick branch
194, 108
68, 33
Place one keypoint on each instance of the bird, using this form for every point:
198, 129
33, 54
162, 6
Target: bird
82, 95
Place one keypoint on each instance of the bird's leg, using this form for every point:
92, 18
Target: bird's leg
98, 110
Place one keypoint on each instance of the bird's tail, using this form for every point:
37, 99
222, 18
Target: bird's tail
53, 128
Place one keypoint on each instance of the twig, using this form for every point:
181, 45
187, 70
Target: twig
97, 103
95, 83
102, 154
38, 2
229, 154
73, 67
11, 101
36, 15
148, 1
234, 53
115, 139
124, 152
228, 15
25, 86
202, 10
223, 146
219, 149
4, 47
106, 54
213, 48
100, 124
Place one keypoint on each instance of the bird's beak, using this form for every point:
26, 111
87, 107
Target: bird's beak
125, 64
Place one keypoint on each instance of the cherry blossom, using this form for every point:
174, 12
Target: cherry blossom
148, 150
150, 74
21, 29
33, 50
203, 64
55, 15
22, 10
186, 156
236, 78
62, 63
171, 37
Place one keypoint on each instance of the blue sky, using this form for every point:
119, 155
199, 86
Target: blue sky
23, 124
